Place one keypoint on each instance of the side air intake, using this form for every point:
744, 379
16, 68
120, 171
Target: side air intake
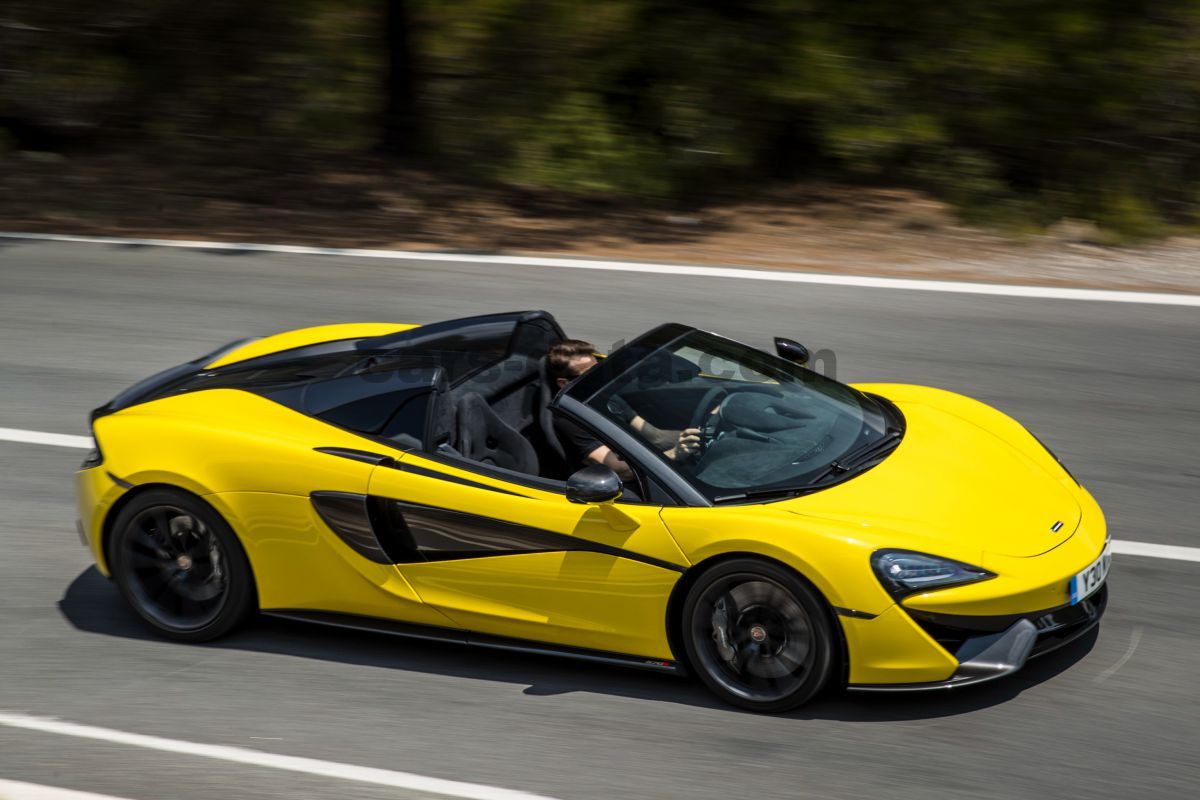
349, 516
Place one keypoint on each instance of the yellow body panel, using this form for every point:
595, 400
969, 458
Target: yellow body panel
831, 555
582, 599
967, 483
955, 487
95, 495
306, 336
187, 440
299, 563
893, 649
578, 599
527, 505
1023, 585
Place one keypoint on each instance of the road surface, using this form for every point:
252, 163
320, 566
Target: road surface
1114, 388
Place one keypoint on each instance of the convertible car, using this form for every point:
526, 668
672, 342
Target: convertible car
408, 479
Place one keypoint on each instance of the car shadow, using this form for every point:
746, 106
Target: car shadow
93, 604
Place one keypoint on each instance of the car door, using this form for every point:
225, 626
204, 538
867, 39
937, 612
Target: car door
510, 556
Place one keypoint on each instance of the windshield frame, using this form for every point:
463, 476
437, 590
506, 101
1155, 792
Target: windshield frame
598, 380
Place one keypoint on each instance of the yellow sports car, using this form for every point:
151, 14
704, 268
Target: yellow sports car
411, 479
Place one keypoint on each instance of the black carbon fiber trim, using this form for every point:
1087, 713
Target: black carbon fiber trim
444, 535
425, 472
124, 484
457, 636
855, 614
347, 515
364, 456
390, 531
1055, 626
381, 460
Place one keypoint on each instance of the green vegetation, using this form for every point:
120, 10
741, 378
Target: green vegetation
1017, 111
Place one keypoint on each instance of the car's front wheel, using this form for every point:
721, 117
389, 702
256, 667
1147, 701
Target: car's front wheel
180, 566
758, 635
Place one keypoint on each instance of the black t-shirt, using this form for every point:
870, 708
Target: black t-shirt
577, 441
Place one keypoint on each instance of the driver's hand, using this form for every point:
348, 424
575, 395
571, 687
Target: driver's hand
619, 407
689, 443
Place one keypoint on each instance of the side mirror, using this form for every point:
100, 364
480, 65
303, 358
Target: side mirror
791, 350
594, 484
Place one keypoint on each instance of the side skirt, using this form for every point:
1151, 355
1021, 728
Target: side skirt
456, 636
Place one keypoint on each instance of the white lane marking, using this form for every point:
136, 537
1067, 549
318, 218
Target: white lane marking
1168, 551
1134, 640
41, 437
778, 276
258, 758
1172, 552
17, 790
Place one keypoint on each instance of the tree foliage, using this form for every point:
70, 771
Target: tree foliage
1051, 107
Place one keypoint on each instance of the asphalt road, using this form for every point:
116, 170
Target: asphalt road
1113, 388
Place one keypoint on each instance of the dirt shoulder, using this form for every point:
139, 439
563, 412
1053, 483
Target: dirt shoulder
813, 228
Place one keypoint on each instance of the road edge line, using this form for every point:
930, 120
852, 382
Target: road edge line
21, 790
42, 437
689, 270
259, 758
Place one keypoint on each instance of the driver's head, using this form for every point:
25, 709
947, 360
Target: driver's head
569, 359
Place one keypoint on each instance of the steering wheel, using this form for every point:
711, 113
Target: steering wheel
706, 420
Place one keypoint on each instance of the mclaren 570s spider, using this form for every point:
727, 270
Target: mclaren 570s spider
410, 479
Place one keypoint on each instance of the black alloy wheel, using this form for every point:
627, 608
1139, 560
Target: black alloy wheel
758, 635
180, 566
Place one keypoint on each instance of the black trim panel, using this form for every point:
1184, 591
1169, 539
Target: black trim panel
444, 476
971, 639
951, 630
364, 456
380, 460
441, 534
344, 344
1055, 631
389, 531
457, 636
348, 516
124, 484
499, 473
996, 655
853, 613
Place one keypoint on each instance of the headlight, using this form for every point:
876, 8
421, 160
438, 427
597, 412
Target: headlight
903, 572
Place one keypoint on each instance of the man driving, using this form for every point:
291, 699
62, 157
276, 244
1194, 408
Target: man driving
571, 358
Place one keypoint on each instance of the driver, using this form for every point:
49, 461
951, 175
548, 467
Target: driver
569, 359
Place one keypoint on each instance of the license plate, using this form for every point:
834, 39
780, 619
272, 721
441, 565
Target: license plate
1092, 578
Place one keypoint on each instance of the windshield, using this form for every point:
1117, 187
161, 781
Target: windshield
753, 423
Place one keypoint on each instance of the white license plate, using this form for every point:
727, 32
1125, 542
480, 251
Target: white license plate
1092, 578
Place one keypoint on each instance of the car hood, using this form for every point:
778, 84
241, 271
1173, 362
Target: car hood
964, 479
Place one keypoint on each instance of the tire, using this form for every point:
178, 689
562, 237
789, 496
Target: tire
180, 566
758, 635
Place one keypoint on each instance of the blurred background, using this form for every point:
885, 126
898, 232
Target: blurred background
1070, 118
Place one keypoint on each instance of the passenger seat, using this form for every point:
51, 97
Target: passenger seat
484, 437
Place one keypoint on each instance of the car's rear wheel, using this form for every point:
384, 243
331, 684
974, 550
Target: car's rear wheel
758, 635
180, 566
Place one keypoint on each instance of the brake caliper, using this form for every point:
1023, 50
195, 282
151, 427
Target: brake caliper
720, 623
